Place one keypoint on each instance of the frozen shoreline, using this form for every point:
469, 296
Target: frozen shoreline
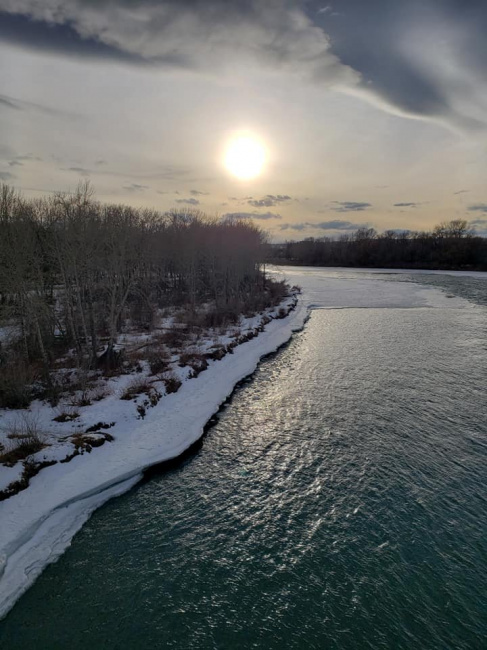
39, 522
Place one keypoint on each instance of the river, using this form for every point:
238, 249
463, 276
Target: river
338, 502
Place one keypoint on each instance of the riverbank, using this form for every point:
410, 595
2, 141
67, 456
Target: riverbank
39, 522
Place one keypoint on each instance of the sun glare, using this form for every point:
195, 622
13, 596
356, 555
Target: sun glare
245, 157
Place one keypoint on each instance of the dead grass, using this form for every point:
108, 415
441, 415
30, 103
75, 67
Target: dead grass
172, 383
158, 359
24, 439
67, 415
137, 386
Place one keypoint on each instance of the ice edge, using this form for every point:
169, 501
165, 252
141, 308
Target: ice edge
43, 541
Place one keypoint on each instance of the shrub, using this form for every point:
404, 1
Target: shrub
24, 440
158, 359
98, 393
217, 353
172, 383
173, 338
16, 379
136, 387
66, 416
194, 360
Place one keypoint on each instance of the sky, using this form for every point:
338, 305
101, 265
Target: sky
370, 112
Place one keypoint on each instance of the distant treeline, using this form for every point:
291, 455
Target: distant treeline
450, 245
73, 271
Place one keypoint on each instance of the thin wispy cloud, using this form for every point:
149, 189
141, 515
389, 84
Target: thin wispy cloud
269, 200
349, 206
336, 225
260, 216
478, 207
190, 201
135, 187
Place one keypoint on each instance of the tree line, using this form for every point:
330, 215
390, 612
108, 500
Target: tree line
74, 270
450, 245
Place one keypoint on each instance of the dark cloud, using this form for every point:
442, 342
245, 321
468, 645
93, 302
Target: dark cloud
294, 226
479, 207
416, 58
15, 163
462, 192
422, 58
269, 200
252, 215
61, 38
411, 204
262, 203
480, 227
198, 193
323, 225
195, 34
349, 206
191, 201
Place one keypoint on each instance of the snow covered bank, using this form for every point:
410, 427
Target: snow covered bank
38, 523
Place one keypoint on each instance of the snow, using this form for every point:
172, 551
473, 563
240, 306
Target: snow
331, 288
38, 523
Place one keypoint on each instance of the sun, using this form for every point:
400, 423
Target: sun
245, 156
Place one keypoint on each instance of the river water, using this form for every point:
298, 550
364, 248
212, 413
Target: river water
338, 502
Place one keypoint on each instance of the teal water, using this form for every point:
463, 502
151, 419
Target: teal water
339, 502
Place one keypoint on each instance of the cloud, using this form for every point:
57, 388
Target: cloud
165, 172
188, 201
28, 157
349, 206
7, 102
78, 170
417, 59
15, 163
479, 207
462, 192
294, 226
411, 204
252, 215
22, 105
198, 193
6, 176
204, 35
323, 225
135, 187
269, 200
480, 227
